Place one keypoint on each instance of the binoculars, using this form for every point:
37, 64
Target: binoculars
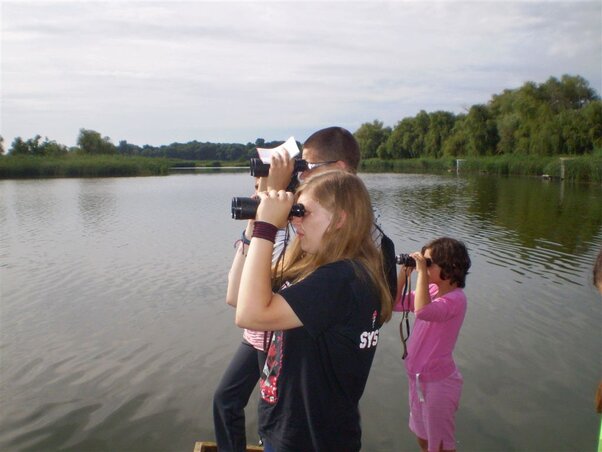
409, 261
246, 209
260, 169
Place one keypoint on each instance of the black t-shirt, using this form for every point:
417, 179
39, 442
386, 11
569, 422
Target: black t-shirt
315, 375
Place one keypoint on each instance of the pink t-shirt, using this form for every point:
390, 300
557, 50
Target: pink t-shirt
434, 334
255, 338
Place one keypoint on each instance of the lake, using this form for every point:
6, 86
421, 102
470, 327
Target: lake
114, 330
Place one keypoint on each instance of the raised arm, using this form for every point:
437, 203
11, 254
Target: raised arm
403, 276
279, 170
421, 294
258, 307
237, 265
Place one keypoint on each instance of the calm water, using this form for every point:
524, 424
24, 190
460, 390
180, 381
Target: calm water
114, 330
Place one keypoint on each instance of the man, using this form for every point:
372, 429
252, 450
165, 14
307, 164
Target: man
326, 149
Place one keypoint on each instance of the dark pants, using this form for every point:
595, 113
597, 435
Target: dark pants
268, 448
232, 395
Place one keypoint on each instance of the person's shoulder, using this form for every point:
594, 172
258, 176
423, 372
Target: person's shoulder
457, 294
342, 266
345, 270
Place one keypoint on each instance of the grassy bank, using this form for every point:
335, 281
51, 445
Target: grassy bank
579, 169
81, 166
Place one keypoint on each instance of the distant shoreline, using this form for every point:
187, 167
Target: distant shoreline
578, 169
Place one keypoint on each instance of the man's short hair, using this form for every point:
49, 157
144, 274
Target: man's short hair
335, 143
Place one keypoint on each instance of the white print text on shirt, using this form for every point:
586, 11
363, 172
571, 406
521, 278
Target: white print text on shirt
369, 339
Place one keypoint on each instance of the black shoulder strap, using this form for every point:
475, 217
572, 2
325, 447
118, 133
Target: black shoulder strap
387, 248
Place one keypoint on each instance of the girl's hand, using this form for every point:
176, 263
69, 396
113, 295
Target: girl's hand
275, 207
420, 261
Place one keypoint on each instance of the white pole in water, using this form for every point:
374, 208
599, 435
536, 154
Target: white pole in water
458, 164
562, 168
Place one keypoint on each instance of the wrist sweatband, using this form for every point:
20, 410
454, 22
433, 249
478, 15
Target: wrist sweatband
266, 231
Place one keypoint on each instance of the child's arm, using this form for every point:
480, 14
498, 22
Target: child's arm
421, 295
403, 276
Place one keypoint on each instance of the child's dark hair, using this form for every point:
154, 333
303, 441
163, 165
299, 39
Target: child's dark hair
452, 257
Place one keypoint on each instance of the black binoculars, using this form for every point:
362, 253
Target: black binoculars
246, 208
260, 169
409, 261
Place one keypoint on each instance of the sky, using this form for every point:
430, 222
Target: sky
156, 72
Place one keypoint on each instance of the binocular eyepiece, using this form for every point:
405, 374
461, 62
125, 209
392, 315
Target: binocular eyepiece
260, 169
409, 261
246, 208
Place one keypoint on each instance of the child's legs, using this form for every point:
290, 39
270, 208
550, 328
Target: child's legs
442, 399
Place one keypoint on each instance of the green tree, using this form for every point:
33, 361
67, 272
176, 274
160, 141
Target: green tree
34, 147
507, 127
1, 145
18, 147
457, 143
52, 148
592, 115
371, 137
441, 124
90, 142
482, 132
400, 143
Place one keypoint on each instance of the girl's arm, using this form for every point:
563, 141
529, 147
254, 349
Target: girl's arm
237, 266
261, 184
421, 295
258, 308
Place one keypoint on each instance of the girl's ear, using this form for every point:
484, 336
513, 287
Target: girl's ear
341, 220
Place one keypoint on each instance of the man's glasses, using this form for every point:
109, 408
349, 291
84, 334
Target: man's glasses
313, 166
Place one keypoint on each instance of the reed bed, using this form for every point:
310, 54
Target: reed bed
586, 168
15, 167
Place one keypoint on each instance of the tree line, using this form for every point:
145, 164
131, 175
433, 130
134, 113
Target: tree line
558, 117
90, 142
554, 118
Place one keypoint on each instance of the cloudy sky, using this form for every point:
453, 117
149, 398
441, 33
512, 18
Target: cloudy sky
153, 72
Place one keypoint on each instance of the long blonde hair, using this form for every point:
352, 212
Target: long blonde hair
342, 194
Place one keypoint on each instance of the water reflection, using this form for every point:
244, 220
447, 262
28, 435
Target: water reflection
537, 213
521, 223
97, 204
114, 329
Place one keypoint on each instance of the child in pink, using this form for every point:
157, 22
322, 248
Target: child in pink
439, 303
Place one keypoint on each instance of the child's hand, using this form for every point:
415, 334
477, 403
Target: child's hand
420, 261
405, 272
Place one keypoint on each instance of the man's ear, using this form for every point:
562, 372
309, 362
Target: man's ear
341, 165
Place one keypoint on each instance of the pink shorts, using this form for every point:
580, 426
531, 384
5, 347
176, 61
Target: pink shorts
433, 406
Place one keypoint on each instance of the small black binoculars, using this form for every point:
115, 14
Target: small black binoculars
246, 208
260, 169
409, 261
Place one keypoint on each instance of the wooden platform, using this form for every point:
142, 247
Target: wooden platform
207, 446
